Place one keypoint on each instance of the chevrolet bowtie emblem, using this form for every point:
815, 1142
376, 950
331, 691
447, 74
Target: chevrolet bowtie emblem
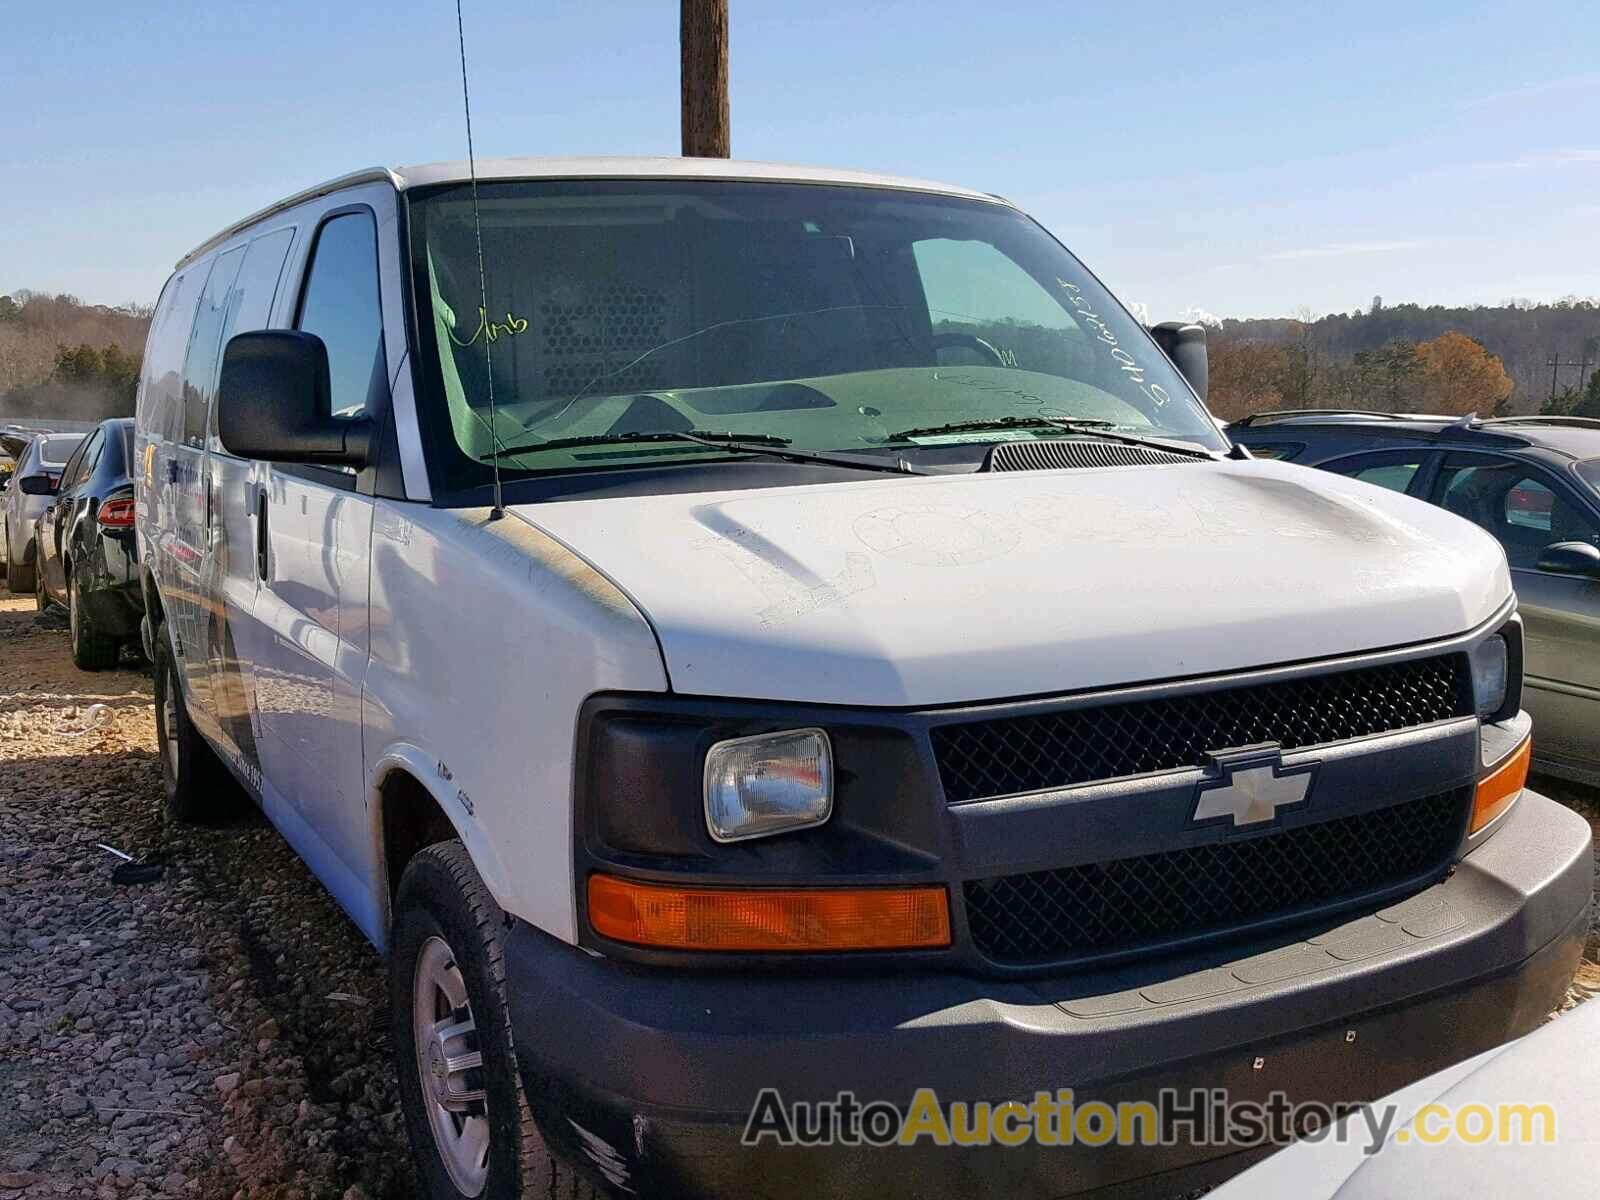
1251, 786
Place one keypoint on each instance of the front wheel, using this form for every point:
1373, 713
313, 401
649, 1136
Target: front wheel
472, 1134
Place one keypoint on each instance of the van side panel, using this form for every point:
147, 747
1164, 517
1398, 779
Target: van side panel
159, 416
230, 577
286, 722
487, 636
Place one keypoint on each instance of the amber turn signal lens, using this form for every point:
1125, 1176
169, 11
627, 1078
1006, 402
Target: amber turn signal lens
763, 919
1498, 789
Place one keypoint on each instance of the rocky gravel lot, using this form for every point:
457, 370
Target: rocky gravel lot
218, 1031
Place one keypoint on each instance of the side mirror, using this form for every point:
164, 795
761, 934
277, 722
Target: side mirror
37, 485
1185, 345
274, 403
1569, 558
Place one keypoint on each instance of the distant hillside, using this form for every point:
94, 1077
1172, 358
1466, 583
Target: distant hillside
1363, 359
63, 359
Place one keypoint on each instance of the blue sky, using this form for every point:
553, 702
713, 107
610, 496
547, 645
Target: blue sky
1246, 159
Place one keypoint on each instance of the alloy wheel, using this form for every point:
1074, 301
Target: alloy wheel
451, 1066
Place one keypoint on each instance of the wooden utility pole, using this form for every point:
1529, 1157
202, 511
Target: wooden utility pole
703, 51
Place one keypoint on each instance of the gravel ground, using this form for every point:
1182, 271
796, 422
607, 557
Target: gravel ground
218, 1031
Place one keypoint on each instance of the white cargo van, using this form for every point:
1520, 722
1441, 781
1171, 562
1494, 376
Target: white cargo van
871, 670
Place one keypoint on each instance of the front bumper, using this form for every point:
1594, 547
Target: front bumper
648, 1076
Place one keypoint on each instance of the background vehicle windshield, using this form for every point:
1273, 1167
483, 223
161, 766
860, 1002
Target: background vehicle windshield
836, 317
1589, 469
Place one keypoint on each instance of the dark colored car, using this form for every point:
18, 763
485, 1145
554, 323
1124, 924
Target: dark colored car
1534, 483
87, 555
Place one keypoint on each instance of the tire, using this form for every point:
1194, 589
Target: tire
448, 927
21, 578
198, 787
91, 651
135, 648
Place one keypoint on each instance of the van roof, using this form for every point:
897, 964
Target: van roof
599, 167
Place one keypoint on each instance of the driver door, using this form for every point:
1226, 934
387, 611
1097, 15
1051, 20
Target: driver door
56, 520
1528, 508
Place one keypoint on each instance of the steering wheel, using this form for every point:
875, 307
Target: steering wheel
968, 341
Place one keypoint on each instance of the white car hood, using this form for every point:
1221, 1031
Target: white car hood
947, 589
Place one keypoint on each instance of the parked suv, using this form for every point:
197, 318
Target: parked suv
40, 459
770, 632
1532, 482
87, 556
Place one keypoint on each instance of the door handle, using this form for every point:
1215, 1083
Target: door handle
261, 536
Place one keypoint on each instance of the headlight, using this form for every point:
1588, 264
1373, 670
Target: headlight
770, 783
1489, 675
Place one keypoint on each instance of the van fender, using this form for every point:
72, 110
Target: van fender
427, 770
150, 593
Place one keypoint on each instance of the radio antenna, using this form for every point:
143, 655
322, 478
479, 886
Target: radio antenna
498, 510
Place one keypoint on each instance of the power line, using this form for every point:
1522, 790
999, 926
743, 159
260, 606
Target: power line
1555, 364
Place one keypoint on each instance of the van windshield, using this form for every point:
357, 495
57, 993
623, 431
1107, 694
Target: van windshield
838, 318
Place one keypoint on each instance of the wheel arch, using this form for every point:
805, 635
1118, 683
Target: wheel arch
155, 612
413, 805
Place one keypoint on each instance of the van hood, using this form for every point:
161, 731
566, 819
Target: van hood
941, 590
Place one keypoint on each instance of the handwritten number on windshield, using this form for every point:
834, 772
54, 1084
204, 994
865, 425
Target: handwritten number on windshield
493, 330
1126, 363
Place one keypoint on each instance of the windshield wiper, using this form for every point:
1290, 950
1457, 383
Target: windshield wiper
642, 435
733, 443
1099, 428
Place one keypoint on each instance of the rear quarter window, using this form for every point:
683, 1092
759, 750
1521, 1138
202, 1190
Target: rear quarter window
161, 389
205, 345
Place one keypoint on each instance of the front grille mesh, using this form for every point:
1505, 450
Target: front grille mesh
1023, 754
1122, 904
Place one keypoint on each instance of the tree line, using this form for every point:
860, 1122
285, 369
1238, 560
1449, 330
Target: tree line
61, 359
1408, 358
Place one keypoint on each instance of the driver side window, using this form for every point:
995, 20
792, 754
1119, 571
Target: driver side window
1514, 503
69, 473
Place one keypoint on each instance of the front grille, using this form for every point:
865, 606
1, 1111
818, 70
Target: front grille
1106, 907
1023, 754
